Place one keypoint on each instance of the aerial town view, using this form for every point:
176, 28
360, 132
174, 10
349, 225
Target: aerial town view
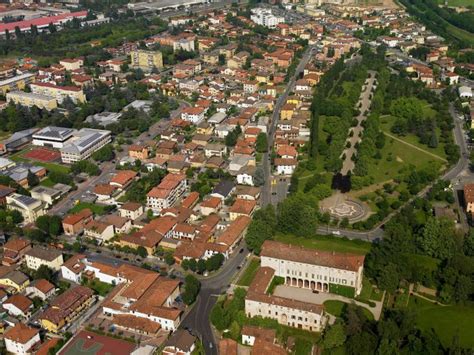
236, 177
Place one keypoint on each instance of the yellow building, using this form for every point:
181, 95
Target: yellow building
66, 308
18, 82
146, 60
75, 93
287, 111
29, 99
14, 280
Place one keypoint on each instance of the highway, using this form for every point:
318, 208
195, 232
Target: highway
266, 188
197, 320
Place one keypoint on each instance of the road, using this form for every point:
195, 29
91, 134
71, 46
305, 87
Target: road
197, 320
266, 189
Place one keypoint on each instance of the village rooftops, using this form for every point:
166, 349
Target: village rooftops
20, 333
44, 254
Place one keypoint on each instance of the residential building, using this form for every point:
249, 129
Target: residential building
73, 268
99, 231
29, 207
41, 288
38, 256
165, 195
181, 342
18, 305
29, 99
14, 251
74, 93
123, 179
14, 281
313, 269
65, 308
146, 60
251, 333
21, 338
131, 210
469, 198
193, 114
49, 195
285, 166
84, 143
242, 207
264, 17
74, 223
72, 64
16, 83
139, 152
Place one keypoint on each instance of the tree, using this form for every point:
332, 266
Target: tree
218, 317
55, 225
201, 266
259, 177
214, 262
191, 289
32, 179
142, 252
44, 272
334, 336
106, 153
262, 143
169, 259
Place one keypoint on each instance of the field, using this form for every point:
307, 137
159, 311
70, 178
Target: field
249, 273
89, 343
20, 157
328, 243
336, 309
446, 321
97, 209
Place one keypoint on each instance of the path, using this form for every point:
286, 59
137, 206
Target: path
414, 146
365, 100
305, 295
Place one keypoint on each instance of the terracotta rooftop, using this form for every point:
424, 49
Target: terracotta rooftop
42, 285
72, 219
131, 206
242, 206
123, 177
234, 231
21, 333
343, 261
16, 244
21, 302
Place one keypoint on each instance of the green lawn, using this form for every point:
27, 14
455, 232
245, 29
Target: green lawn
47, 182
328, 243
369, 292
336, 308
386, 124
446, 321
249, 273
97, 209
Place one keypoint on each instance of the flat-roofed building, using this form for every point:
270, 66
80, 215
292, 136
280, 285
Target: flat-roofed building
29, 207
18, 82
146, 60
85, 142
30, 99
17, 140
51, 136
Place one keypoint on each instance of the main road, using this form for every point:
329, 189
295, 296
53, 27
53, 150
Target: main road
197, 320
266, 190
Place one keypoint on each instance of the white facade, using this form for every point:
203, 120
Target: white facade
310, 276
264, 17
84, 144
15, 347
285, 169
69, 275
34, 262
245, 179
248, 339
156, 204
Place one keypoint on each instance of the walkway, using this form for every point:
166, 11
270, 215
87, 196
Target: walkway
306, 295
365, 100
414, 146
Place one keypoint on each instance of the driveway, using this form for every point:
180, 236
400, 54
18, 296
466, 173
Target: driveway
304, 295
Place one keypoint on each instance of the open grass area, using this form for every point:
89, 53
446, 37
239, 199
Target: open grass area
446, 321
369, 292
96, 209
336, 308
249, 273
328, 243
47, 182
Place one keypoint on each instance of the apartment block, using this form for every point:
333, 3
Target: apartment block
29, 99
165, 195
146, 60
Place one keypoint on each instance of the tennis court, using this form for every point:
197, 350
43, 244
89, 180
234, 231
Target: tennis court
43, 154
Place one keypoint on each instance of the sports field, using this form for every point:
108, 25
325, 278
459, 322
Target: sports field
88, 343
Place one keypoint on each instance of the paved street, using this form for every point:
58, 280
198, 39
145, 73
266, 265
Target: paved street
266, 196
197, 320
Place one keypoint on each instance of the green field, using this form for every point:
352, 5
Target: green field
369, 292
327, 243
249, 273
446, 321
97, 209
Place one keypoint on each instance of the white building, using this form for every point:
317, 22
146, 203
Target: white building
172, 187
37, 257
313, 269
285, 166
29, 207
193, 114
465, 92
72, 269
264, 17
84, 143
21, 338
54, 137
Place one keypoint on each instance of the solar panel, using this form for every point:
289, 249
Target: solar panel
89, 140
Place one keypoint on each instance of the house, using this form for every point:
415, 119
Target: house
465, 92
228, 346
123, 179
65, 308
18, 305
215, 149
72, 269
41, 288
313, 269
74, 223
121, 224
13, 281
285, 166
99, 230
193, 114
233, 234
247, 192
104, 192
212, 205
21, 338
469, 198
251, 333
131, 210
245, 175
38, 256
242, 207
14, 251
223, 189
140, 152
29, 207
181, 342
191, 200
165, 195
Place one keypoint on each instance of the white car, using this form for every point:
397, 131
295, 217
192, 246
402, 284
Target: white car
336, 233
